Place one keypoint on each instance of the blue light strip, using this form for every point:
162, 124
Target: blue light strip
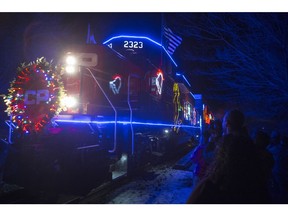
186, 80
129, 36
192, 95
122, 122
84, 121
178, 74
141, 37
11, 125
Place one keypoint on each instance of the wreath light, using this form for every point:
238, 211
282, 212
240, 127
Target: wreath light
34, 95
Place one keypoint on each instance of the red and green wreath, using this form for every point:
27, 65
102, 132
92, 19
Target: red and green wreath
34, 95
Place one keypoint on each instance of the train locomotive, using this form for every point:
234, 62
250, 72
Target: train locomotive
125, 106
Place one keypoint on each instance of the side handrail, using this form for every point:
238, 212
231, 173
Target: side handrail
115, 111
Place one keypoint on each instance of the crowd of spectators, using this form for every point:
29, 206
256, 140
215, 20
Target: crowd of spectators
241, 168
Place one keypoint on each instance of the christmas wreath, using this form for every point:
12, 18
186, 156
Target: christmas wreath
34, 95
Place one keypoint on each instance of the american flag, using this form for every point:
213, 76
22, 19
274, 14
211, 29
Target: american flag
173, 40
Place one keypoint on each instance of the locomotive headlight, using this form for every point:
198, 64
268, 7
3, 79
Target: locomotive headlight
70, 69
71, 60
71, 64
69, 102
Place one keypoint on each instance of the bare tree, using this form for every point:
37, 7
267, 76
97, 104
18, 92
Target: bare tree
244, 55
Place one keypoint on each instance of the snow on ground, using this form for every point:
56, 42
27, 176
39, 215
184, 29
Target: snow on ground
158, 185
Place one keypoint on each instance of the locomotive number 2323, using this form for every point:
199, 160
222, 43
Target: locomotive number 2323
133, 44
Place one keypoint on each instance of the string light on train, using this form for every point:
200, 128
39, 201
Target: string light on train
159, 81
115, 84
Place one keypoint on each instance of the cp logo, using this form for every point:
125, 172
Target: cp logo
36, 96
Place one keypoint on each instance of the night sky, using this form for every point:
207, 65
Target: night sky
26, 36
228, 57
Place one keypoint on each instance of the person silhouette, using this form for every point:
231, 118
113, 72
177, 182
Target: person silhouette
234, 176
